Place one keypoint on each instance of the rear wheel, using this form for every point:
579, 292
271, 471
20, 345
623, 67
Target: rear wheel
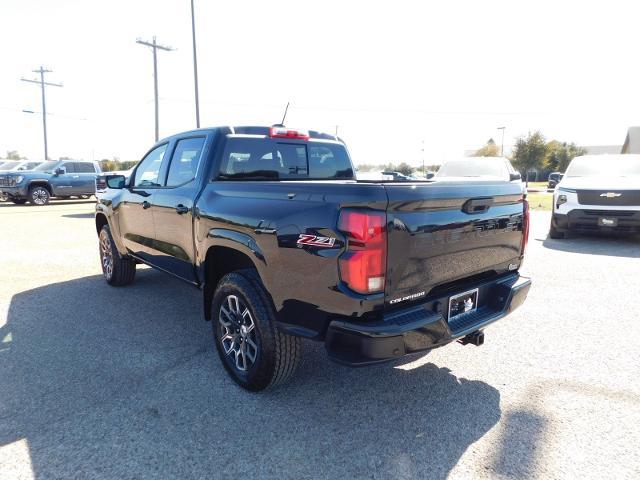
251, 348
117, 270
39, 195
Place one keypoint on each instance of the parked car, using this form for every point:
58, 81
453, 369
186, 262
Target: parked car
598, 193
283, 241
16, 166
554, 179
399, 177
479, 168
55, 178
8, 164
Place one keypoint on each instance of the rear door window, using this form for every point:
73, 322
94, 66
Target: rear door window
269, 159
83, 167
185, 160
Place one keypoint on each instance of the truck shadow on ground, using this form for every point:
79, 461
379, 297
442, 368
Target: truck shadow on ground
594, 244
107, 382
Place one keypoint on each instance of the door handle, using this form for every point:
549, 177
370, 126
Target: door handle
145, 204
181, 209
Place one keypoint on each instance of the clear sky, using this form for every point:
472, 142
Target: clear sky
390, 74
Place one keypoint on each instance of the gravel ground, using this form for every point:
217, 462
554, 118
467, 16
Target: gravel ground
98, 382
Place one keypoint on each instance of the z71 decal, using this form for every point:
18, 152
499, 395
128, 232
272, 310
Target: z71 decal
315, 241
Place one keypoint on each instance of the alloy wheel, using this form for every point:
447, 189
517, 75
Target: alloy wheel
238, 333
106, 255
40, 196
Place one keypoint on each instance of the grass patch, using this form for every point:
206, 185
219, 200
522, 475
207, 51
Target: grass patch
540, 201
538, 184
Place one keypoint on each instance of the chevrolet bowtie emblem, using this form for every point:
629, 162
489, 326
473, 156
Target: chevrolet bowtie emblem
611, 195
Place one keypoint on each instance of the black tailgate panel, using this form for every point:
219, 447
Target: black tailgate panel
432, 241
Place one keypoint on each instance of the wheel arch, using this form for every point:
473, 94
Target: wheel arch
220, 260
40, 183
101, 221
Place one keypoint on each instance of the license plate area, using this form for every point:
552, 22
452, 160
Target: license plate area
463, 303
607, 222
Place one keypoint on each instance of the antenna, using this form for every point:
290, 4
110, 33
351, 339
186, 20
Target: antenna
286, 109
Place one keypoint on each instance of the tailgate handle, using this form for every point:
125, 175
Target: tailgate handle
477, 205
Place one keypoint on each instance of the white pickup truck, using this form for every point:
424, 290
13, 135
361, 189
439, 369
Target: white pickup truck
598, 193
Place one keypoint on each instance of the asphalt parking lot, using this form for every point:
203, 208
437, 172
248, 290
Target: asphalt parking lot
99, 382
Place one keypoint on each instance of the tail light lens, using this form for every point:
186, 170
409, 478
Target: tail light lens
525, 226
364, 264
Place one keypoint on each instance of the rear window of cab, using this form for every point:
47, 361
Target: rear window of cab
275, 159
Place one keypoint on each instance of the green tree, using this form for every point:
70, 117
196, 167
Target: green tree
404, 168
14, 155
529, 153
560, 154
490, 149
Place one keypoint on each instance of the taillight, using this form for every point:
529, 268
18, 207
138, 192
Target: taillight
525, 226
291, 133
364, 264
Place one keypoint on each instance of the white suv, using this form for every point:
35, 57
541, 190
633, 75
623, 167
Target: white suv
598, 193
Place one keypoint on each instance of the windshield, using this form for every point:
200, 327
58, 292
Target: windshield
9, 165
46, 167
473, 168
614, 166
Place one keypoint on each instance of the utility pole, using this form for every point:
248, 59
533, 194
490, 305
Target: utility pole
502, 144
155, 47
424, 171
42, 83
195, 64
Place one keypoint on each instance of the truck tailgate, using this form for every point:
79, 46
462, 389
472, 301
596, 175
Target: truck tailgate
445, 232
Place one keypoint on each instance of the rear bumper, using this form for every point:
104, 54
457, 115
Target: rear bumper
422, 327
627, 221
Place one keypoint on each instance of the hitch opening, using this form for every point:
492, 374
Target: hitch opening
474, 338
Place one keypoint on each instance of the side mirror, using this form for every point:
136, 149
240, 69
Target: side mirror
430, 175
514, 176
60, 171
115, 181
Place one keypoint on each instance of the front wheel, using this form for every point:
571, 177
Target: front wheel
39, 195
554, 233
116, 269
254, 353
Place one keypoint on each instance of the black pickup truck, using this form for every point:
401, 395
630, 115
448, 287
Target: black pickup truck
283, 241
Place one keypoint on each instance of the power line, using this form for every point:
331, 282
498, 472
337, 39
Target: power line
43, 84
154, 48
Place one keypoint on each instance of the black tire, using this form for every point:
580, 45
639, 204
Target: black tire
39, 195
19, 201
275, 355
84, 197
555, 234
117, 270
